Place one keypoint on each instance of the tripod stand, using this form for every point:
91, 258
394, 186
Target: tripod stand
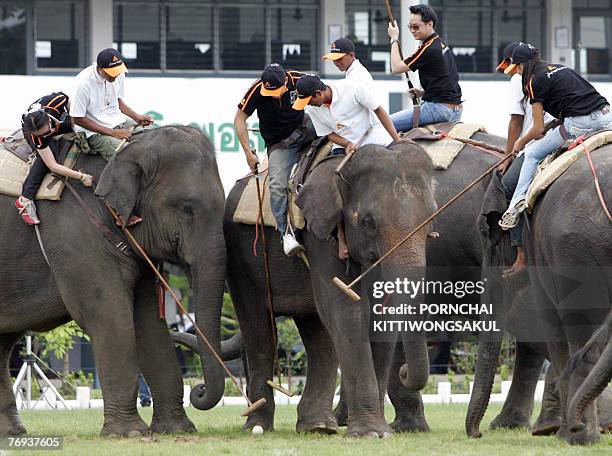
26, 371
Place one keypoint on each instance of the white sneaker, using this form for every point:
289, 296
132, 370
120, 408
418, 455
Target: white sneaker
290, 245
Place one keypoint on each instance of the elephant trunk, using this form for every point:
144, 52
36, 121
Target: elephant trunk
483, 384
408, 262
207, 285
598, 378
230, 348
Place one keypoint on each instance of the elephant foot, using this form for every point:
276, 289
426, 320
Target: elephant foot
581, 436
410, 424
11, 426
172, 425
341, 416
326, 426
510, 422
117, 428
373, 430
546, 425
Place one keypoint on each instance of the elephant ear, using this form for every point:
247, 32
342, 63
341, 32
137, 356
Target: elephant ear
320, 200
120, 184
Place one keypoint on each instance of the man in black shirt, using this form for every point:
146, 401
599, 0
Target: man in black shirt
284, 131
437, 72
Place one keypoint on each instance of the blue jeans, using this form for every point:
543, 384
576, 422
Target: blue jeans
538, 150
509, 182
280, 163
143, 390
430, 113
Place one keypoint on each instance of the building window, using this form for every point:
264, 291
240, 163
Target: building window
13, 38
593, 36
215, 35
60, 34
137, 34
478, 30
367, 23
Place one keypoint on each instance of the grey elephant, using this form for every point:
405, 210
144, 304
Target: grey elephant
389, 192
169, 177
576, 257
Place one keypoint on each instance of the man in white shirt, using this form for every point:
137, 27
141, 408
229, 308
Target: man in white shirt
97, 107
342, 53
520, 122
341, 111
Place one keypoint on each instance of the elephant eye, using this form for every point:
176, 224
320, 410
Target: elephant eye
368, 222
186, 208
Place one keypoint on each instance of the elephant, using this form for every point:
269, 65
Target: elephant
169, 177
389, 192
560, 262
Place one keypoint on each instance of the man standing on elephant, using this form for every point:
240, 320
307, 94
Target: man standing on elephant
284, 131
437, 72
98, 108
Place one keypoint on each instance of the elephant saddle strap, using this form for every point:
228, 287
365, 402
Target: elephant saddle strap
110, 235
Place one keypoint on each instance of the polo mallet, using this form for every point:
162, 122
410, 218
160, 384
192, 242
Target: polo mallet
416, 114
347, 289
260, 221
124, 140
252, 406
357, 146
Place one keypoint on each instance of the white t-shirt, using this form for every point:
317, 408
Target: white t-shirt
349, 114
358, 73
518, 107
97, 99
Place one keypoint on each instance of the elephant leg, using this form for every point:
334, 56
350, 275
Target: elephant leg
158, 362
409, 410
604, 410
315, 408
341, 410
10, 424
106, 313
549, 421
382, 354
590, 432
518, 407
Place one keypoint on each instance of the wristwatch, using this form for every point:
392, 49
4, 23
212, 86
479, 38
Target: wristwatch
394, 40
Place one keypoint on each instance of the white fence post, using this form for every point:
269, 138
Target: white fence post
186, 393
444, 392
83, 396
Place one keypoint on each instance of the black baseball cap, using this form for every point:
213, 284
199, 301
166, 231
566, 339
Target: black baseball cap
339, 49
111, 62
306, 87
522, 54
507, 55
274, 78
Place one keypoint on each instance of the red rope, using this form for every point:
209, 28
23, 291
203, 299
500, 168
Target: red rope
597, 186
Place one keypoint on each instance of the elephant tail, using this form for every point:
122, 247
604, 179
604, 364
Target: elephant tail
230, 349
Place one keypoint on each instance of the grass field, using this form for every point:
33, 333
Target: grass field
219, 433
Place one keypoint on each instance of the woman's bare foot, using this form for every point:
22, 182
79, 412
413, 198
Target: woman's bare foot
519, 264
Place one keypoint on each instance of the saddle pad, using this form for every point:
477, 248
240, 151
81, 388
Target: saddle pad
13, 172
551, 168
247, 209
442, 152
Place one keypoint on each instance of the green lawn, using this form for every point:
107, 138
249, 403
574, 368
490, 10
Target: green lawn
219, 432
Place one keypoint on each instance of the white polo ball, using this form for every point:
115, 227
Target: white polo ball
257, 430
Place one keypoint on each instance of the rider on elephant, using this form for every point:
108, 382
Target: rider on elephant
563, 93
342, 53
437, 72
98, 108
347, 113
284, 130
521, 120
44, 120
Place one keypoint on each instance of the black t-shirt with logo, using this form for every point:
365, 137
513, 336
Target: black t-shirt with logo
563, 92
277, 118
437, 71
56, 106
